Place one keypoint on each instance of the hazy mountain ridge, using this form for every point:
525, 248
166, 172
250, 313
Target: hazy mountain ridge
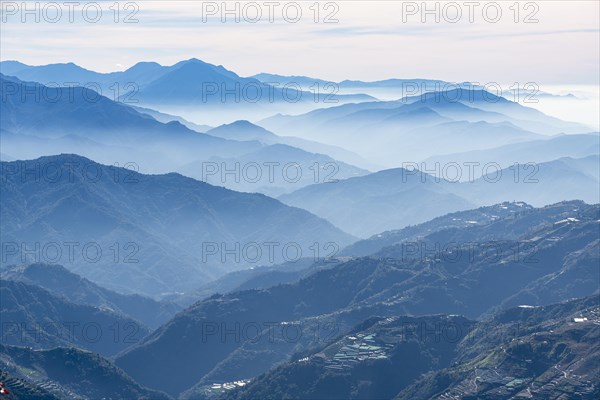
395, 198
501, 221
72, 373
415, 128
538, 184
162, 246
538, 151
36, 318
373, 203
176, 88
60, 281
459, 219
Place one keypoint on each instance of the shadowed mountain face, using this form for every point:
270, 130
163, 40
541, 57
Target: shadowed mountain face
539, 352
36, 318
453, 274
76, 289
374, 361
548, 353
70, 372
148, 234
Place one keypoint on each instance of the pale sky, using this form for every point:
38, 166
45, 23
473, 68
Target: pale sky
371, 40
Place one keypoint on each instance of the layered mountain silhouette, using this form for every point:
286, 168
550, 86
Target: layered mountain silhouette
191, 88
245, 130
80, 118
186, 232
538, 184
383, 89
415, 128
40, 120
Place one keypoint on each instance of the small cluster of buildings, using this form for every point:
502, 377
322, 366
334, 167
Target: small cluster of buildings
229, 385
356, 349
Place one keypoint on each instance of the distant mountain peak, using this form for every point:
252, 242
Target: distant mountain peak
242, 130
144, 64
192, 61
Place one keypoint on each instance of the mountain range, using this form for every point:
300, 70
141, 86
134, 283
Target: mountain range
380, 201
186, 232
189, 88
536, 151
